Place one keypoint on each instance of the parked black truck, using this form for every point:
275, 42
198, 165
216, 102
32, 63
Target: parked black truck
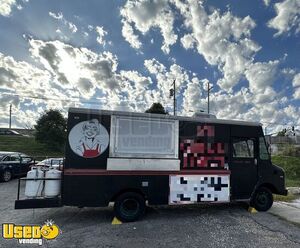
134, 158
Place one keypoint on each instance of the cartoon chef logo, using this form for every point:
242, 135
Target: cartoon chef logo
88, 139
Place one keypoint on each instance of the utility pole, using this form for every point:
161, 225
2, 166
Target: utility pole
208, 91
173, 94
10, 116
174, 97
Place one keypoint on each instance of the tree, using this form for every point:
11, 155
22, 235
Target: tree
156, 108
51, 130
282, 132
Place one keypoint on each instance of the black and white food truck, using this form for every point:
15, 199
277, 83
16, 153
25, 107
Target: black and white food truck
136, 158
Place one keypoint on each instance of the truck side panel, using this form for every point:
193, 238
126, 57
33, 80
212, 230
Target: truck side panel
99, 190
203, 156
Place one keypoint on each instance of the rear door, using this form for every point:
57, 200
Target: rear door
243, 161
15, 162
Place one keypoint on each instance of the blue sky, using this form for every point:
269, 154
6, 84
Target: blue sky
125, 55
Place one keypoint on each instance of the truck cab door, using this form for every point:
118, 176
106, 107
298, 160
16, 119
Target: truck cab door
243, 164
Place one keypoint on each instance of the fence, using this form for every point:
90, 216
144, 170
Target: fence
284, 145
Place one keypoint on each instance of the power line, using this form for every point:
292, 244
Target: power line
65, 100
99, 100
49, 98
10, 106
208, 91
282, 124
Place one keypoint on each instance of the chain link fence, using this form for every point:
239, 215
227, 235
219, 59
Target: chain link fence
284, 145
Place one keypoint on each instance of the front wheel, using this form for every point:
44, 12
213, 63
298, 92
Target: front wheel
6, 176
129, 206
262, 199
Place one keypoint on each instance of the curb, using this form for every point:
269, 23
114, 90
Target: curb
294, 190
286, 211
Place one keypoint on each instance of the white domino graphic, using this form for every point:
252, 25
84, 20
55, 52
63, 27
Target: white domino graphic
185, 189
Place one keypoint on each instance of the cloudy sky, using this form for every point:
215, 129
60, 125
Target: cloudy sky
125, 55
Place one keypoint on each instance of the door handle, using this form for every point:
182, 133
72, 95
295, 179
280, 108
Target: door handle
255, 161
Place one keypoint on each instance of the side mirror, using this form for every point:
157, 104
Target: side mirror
269, 148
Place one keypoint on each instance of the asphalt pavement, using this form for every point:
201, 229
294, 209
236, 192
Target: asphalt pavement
225, 225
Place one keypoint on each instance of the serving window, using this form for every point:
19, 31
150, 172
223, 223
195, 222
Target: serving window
143, 137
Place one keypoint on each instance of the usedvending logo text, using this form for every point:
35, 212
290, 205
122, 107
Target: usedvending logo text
30, 234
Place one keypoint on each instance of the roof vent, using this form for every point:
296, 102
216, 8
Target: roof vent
204, 115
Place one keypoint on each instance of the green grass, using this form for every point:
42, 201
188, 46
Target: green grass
283, 198
291, 166
27, 145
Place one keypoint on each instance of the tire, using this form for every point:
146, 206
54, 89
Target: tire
6, 176
129, 206
262, 199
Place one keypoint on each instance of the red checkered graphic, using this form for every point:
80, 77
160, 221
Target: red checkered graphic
205, 131
203, 154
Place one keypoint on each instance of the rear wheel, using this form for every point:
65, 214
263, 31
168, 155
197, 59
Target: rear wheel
262, 199
129, 206
6, 176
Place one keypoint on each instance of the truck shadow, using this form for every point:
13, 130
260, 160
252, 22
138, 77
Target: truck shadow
195, 209
67, 216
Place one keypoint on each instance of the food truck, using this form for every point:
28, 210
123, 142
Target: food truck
134, 159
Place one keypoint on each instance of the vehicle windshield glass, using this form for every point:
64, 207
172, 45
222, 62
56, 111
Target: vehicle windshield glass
263, 151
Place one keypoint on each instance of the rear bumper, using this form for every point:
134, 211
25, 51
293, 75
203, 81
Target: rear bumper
38, 203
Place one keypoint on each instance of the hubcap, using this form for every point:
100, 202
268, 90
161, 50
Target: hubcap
130, 207
7, 175
262, 198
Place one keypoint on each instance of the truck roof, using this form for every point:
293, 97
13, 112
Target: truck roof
205, 118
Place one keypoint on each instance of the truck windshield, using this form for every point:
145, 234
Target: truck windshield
263, 151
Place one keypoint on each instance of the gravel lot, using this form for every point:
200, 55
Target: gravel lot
226, 225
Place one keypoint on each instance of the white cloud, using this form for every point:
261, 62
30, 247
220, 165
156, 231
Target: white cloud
296, 94
287, 17
244, 105
193, 97
261, 74
296, 80
267, 2
101, 34
72, 27
6, 7
222, 39
78, 72
296, 84
130, 36
26, 87
188, 41
73, 67
59, 16
165, 77
88, 72
144, 15
69, 73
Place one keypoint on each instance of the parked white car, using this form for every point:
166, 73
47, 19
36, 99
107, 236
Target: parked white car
56, 163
